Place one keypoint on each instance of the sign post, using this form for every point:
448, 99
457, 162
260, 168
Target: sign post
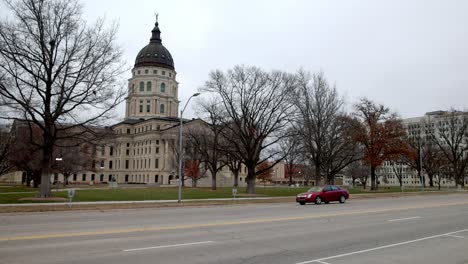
234, 192
71, 194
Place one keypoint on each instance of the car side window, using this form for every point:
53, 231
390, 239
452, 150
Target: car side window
328, 188
334, 188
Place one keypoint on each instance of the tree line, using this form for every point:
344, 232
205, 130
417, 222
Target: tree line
256, 118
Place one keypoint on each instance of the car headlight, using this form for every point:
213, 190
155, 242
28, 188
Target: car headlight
309, 195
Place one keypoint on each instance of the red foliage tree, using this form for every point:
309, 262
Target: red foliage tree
380, 133
192, 171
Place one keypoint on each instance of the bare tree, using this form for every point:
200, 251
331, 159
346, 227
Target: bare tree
380, 133
258, 111
357, 171
451, 137
207, 137
340, 149
318, 121
293, 156
57, 70
6, 146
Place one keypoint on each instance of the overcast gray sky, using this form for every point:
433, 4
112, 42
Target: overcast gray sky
410, 55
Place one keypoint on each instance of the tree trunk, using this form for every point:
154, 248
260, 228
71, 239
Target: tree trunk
194, 182
44, 189
317, 175
213, 180
36, 177
236, 178
431, 180
290, 179
250, 179
373, 179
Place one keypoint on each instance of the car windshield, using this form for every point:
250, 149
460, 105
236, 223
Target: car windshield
315, 189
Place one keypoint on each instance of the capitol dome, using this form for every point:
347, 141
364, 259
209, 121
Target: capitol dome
155, 54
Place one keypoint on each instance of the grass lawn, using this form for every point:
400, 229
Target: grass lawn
170, 193
16, 188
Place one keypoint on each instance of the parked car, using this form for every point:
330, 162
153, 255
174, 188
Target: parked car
327, 193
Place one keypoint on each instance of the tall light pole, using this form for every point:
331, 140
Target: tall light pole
180, 148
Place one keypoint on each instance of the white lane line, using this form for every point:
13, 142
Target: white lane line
322, 262
167, 246
382, 247
403, 219
456, 236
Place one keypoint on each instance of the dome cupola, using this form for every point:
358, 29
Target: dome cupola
155, 54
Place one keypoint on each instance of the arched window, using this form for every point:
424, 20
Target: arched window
161, 109
163, 87
142, 86
148, 86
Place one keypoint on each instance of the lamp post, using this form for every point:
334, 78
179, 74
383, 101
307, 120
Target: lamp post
180, 148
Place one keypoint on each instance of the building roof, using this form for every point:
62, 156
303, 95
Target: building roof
155, 54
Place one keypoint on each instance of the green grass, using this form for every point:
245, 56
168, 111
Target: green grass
170, 193
15, 188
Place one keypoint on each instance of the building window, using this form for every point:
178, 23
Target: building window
84, 177
128, 130
139, 71
102, 164
157, 150
110, 164
74, 177
170, 74
126, 178
155, 71
148, 86
127, 152
111, 150
146, 71
103, 150
141, 106
163, 72
110, 177
142, 86
161, 109
101, 177
157, 141
93, 177
156, 178
148, 106
163, 87
127, 164
156, 163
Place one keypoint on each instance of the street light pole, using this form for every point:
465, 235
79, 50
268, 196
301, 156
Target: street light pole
180, 148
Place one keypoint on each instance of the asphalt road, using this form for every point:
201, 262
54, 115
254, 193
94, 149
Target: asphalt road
422, 229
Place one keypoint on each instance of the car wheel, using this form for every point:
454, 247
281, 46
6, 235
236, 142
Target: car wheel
301, 203
342, 199
318, 200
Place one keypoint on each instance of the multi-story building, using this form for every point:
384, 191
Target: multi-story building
418, 128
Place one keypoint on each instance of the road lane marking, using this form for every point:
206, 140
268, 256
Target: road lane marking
404, 219
322, 262
381, 247
218, 224
168, 246
456, 236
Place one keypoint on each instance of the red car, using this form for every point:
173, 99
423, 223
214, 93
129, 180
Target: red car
327, 193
